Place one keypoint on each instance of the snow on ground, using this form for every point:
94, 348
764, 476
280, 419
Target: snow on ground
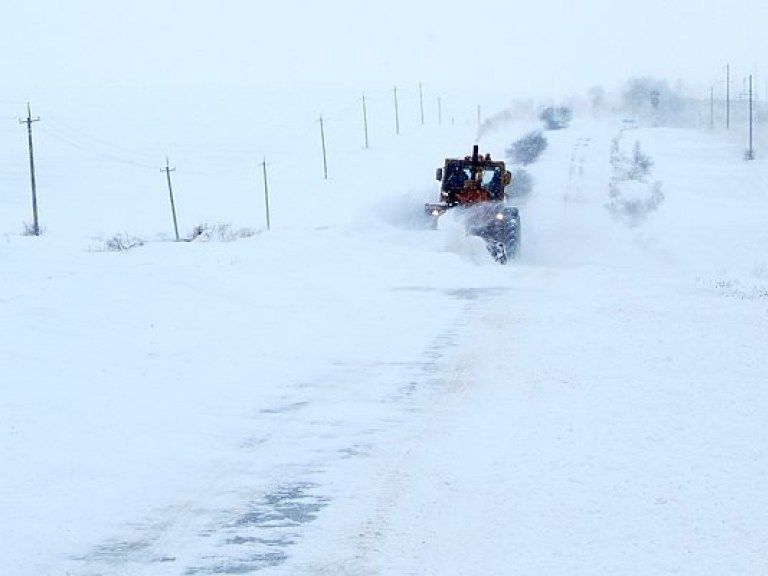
350, 393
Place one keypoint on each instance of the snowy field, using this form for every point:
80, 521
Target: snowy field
352, 394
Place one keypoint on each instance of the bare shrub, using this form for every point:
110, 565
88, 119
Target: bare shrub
29, 229
631, 197
220, 232
632, 201
119, 243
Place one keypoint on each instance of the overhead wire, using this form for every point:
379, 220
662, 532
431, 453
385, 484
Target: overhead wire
83, 147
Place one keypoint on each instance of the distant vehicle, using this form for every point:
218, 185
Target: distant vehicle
475, 185
628, 124
556, 117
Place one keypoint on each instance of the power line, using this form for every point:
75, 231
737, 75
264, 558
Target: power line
106, 156
63, 127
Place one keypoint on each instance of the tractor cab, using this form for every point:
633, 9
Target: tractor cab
472, 179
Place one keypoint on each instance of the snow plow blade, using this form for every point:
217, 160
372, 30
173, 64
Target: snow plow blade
499, 226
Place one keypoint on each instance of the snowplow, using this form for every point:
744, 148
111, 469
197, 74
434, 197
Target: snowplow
474, 185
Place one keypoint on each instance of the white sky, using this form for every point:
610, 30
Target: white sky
536, 47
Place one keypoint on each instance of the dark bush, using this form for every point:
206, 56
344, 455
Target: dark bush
527, 149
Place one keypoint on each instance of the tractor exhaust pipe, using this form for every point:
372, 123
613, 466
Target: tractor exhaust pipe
475, 161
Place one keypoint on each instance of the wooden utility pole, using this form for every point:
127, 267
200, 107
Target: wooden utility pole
421, 103
727, 96
168, 171
322, 142
751, 153
266, 190
29, 120
365, 123
397, 114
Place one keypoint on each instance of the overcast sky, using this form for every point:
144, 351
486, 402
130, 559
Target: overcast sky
216, 86
535, 47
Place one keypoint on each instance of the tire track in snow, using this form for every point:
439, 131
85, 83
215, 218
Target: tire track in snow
574, 189
454, 376
234, 528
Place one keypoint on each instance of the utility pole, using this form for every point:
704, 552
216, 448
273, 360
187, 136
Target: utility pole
421, 103
727, 96
751, 153
365, 123
397, 114
439, 111
29, 120
322, 141
168, 171
266, 190
478, 116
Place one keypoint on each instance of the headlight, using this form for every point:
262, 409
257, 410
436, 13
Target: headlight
500, 216
435, 212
